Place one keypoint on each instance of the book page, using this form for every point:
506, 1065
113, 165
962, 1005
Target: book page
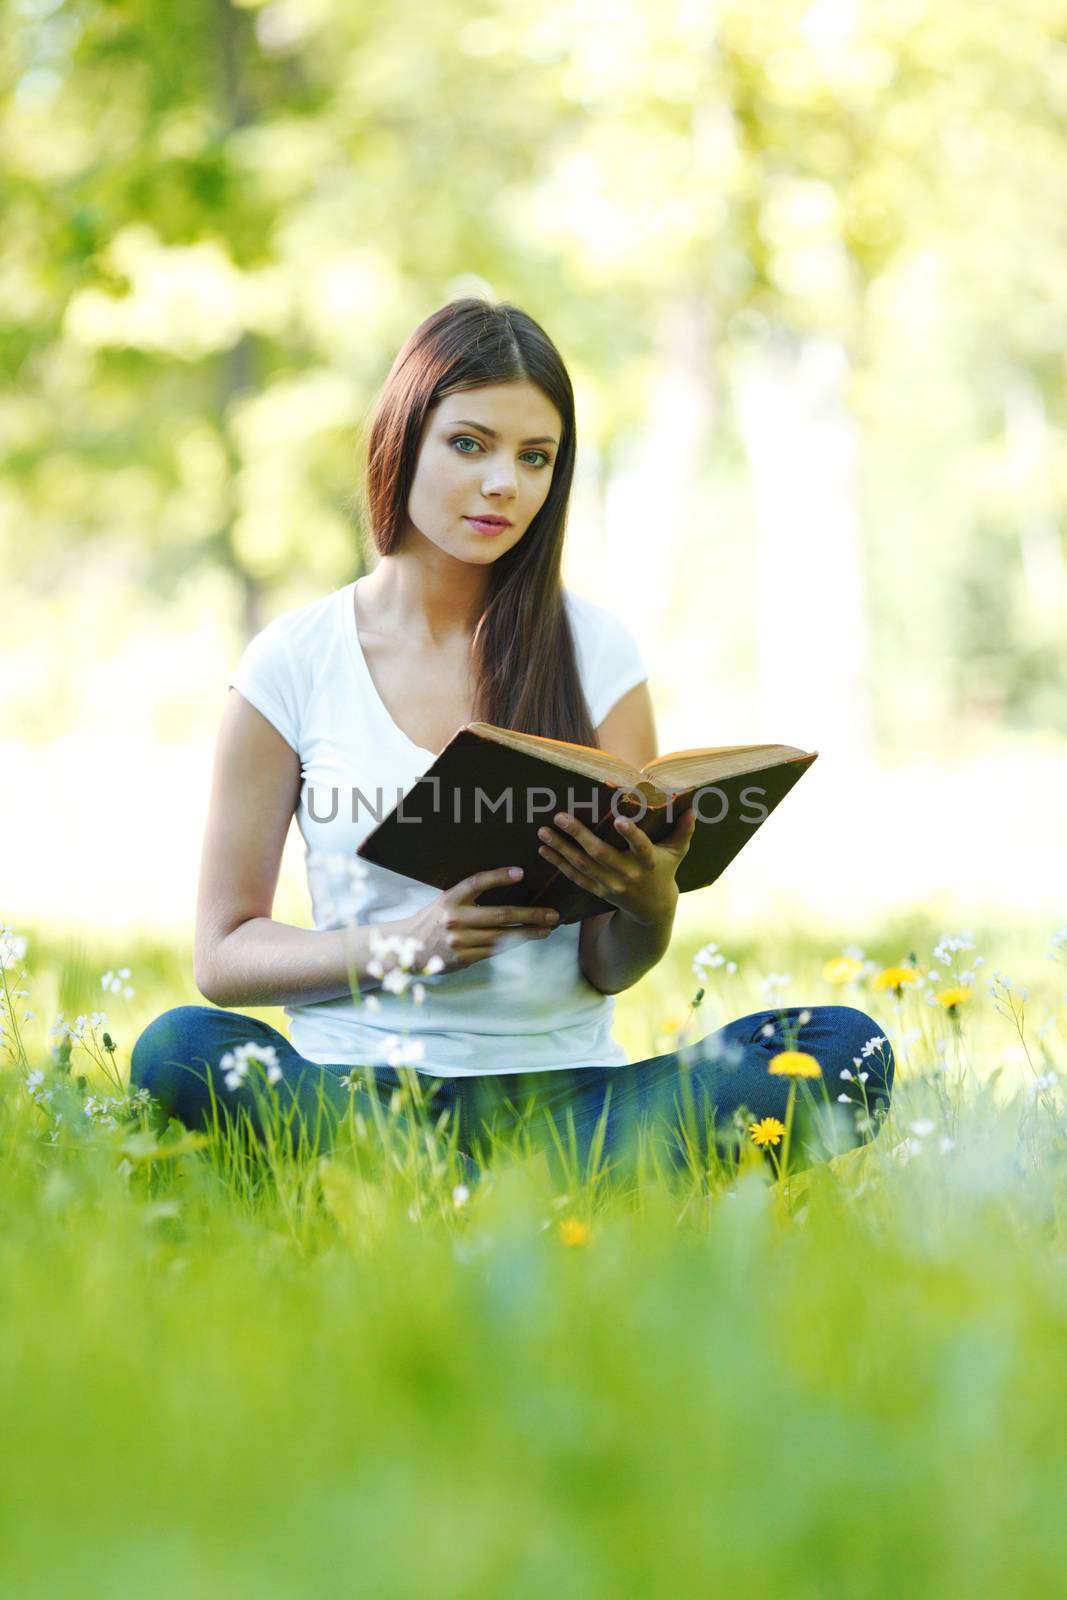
680, 768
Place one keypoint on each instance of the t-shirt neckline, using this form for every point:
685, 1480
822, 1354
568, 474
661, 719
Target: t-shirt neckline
351, 630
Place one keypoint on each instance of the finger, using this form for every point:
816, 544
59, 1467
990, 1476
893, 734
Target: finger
464, 934
683, 832
561, 850
494, 916
478, 953
636, 838
572, 851
508, 936
573, 872
581, 837
480, 881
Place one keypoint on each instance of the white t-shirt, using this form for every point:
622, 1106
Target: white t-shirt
528, 1008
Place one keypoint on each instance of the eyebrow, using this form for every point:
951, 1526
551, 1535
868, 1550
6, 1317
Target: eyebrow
465, 422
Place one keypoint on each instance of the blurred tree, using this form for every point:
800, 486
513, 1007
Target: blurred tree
833, 233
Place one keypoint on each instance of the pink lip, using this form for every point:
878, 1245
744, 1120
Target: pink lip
488, 525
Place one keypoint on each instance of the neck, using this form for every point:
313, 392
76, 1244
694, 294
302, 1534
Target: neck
429, 603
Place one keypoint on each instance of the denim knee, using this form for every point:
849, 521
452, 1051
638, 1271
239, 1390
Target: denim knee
857, 1030
170, 1037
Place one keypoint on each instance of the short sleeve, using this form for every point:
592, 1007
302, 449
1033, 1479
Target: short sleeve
617, 665
265, 676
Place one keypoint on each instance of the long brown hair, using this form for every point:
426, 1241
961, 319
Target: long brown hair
523, 651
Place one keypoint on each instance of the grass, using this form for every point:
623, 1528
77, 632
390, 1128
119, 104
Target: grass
339, 1372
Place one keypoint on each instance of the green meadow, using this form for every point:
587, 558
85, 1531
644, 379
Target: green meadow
241, 1370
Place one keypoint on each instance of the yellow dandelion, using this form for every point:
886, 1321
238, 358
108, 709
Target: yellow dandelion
953, 997
769, 1131
573, 1232
842, 969
794, 1064
896, 978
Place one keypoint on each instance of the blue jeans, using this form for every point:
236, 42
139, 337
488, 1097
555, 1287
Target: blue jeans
723, 1077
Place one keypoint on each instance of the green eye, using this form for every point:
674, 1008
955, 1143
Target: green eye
465, 438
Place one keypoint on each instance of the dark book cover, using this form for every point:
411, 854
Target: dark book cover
480, 804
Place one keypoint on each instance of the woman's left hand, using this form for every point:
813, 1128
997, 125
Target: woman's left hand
639, 881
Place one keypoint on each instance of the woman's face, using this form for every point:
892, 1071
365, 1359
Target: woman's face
485, 452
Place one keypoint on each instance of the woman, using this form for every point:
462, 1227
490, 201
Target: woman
463, 618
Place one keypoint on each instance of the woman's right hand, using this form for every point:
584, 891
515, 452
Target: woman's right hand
460, 933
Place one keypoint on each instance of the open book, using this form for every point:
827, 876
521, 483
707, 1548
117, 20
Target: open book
480, 804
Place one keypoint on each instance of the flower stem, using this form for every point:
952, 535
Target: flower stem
788, 1136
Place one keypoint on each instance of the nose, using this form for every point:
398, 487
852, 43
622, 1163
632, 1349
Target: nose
500, 479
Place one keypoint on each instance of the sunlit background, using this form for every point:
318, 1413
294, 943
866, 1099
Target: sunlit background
805, 263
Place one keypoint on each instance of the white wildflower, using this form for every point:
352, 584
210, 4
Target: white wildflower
403, 946
460, 1195
403, 1052
1048, 1080
235, 1063
433, 966
776, 981
949, 944
99, 1110
844, 1099
846, 1074
873, 1043
921, 1128
12, 946
116, 983
707, 958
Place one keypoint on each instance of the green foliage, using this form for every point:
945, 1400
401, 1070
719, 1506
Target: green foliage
221, 221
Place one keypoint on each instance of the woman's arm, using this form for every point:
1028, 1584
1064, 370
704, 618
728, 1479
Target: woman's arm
241, 955
613, 950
